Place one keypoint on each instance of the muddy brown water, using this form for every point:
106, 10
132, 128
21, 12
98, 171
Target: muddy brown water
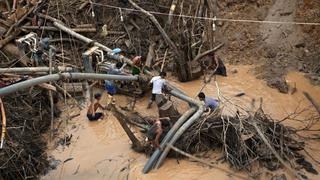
101, 150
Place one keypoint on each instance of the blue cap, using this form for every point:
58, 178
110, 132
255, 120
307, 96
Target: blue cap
116, 50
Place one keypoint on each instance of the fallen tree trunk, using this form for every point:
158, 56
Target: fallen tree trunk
123, 119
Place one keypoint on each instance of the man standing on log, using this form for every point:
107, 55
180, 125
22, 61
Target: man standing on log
210, 103
92, 115
158, 82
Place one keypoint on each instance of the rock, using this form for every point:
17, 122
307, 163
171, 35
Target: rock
300, 45
285, 13
278, 83
262, 13
314, 77
53, 163
301, 67
234, 71
270, 52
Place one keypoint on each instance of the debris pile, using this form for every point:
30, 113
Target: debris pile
23, 155
244, 139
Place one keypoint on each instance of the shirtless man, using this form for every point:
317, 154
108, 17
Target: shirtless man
156, 130
92, 114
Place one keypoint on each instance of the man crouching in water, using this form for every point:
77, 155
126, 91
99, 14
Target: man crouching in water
92, 114
156, 130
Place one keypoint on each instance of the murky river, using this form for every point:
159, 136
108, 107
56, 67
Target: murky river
101, 150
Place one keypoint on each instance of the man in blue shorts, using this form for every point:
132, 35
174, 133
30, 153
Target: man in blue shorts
109, 84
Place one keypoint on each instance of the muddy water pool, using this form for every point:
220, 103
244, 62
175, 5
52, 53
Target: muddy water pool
101, 150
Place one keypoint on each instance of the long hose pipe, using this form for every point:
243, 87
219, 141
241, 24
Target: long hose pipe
176, 128
34, 69
183, 128
169, 135
177, 135
175, 92
55, 77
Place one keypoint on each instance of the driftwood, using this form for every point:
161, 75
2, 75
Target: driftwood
151, 55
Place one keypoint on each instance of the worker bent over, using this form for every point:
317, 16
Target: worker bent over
92, 114
210, 103
158, 83
154, 134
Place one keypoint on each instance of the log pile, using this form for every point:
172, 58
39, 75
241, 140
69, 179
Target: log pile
170, 45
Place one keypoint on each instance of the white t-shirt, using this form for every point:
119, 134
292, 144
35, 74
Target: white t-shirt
158, 83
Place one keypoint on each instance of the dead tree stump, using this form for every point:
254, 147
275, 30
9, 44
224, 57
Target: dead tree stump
166, 108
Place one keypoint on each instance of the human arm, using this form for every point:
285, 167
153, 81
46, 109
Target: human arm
100, 106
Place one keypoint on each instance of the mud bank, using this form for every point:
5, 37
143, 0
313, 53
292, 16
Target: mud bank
101, 150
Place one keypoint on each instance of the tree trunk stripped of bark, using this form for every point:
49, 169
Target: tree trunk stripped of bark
150, 55
50, 95
172, 8
166, 108
183, 72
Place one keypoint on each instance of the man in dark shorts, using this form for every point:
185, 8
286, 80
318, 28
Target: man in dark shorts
110, 85
92, 114
155, 132
158, 83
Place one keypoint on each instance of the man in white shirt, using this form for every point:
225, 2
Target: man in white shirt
158, 83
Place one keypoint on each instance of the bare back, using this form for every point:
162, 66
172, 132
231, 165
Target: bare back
93, 107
